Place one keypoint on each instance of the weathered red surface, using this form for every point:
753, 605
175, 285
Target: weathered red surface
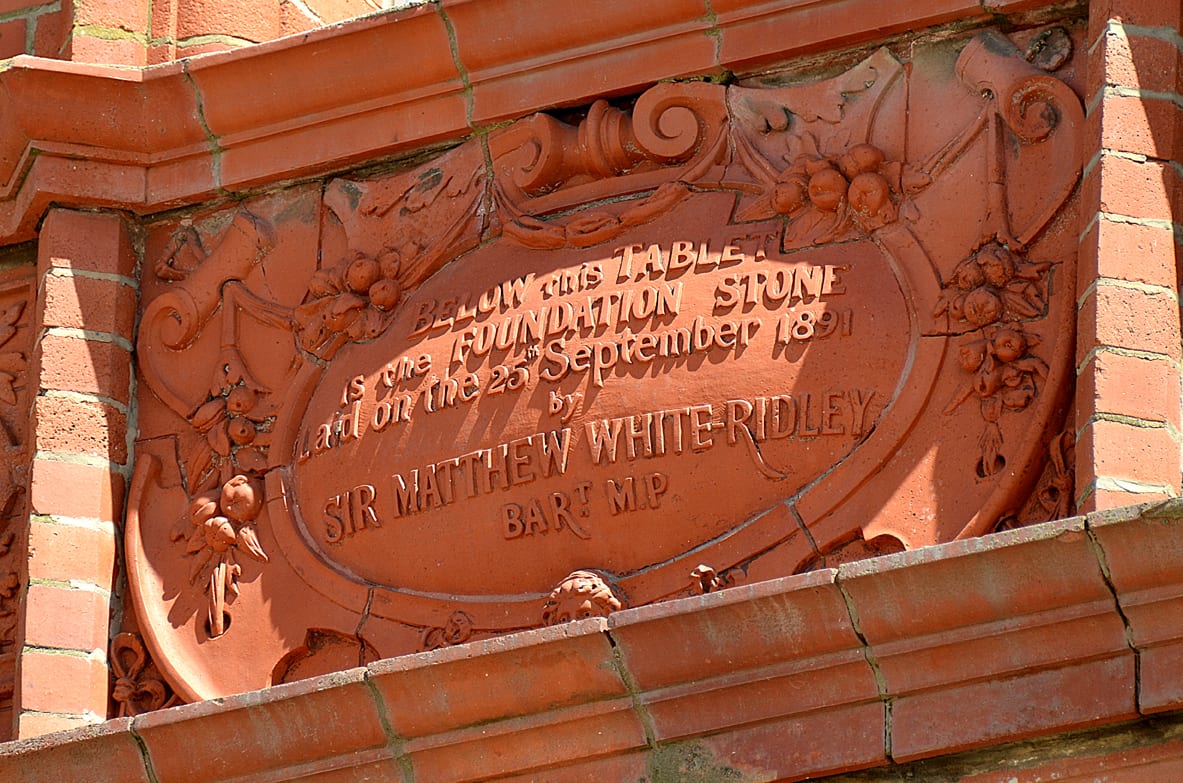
661, 351
929, 196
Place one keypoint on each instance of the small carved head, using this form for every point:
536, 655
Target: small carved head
581, 595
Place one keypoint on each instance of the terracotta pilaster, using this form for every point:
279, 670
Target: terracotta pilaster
83, 381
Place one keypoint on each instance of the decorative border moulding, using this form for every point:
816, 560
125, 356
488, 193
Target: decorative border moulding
387, 84
978, 642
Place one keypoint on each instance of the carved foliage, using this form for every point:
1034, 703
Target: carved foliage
13, 453
215, 529
1053, 497
826, 197
138, 686
993, 291
351, 301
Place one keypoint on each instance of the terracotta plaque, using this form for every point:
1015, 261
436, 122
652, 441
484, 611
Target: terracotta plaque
712, 335
560, 407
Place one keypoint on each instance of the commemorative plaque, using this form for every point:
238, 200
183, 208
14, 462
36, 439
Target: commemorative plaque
710, 335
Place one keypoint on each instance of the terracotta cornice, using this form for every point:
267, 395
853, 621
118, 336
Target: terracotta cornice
929, 652
150, 139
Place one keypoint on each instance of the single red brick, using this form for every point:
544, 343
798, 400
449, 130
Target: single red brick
1130, 386
71, 490
64, 551
60, 682
1121, 186
87, 303
1115, 450
66, 618
256, 22
1143, 125
131, 15
51, 33
12, 38
1127, 251
1128, 318
107, 51
95, 241
89, 366
66, 426
1134, 60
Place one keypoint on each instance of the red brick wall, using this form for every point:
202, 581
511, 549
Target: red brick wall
1128, 403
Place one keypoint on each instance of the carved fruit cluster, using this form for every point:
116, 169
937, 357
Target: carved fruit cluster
215, 528
825, 196
1002, 366
994, 285
353, 299
228, 423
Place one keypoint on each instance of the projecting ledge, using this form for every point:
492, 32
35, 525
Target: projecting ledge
924, 653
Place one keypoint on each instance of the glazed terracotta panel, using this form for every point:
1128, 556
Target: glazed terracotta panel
707, 335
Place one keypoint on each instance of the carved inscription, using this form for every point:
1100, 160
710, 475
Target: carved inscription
593, 324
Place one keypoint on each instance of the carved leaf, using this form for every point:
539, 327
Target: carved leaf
12, 362
663, 199
209, 414
199, 565
200, 464
7, 393
759, 208
219, 440
196, 541
249, 543
8, 319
